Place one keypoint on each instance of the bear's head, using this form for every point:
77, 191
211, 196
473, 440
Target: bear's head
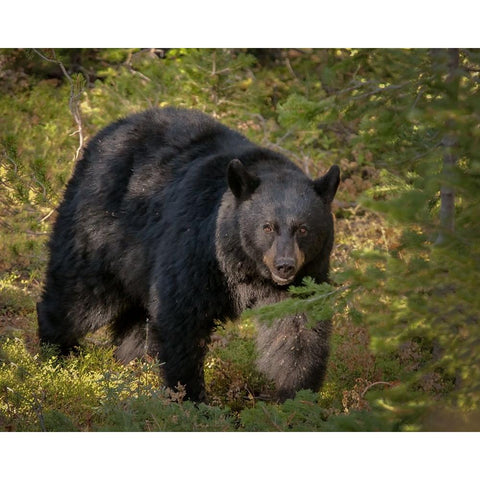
284, 218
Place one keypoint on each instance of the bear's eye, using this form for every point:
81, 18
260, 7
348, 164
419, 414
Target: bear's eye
267, 228
302, 230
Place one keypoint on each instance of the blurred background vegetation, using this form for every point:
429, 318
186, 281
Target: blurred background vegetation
404, 127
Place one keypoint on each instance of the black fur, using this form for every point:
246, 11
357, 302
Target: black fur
162, 221
294, 356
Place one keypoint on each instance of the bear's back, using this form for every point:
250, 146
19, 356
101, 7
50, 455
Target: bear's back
162, 135
139, 155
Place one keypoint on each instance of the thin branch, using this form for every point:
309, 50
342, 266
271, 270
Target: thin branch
128, 64
37, 407
74, 98
290, 68
370, 385
381, 90
35, 234
270, 419
315, 298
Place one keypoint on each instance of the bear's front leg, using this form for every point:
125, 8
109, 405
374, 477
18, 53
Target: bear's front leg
292, 355
182, 356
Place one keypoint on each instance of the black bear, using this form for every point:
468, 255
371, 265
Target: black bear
173, 222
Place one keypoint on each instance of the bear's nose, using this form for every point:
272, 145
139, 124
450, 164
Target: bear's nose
285, 267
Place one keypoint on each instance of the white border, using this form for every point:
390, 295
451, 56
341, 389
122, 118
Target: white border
242, 23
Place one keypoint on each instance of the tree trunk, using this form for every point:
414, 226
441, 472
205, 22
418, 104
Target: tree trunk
447, 193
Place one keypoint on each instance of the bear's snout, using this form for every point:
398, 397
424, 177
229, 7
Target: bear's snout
285, 267
285, 264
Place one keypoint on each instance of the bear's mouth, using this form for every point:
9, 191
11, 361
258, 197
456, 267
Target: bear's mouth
281, 280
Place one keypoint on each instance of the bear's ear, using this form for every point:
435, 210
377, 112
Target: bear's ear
241, 183
327, 185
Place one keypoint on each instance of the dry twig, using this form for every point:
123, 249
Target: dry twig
74, 99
